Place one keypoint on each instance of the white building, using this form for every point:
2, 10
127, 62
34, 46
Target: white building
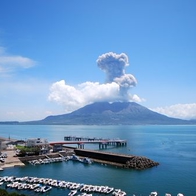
36, 142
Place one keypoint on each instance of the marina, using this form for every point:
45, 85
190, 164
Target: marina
172, 146
44, 185
48, 160
57, 151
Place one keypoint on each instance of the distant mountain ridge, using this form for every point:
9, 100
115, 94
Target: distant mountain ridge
104, 113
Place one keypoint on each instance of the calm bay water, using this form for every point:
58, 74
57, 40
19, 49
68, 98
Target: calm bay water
174, 147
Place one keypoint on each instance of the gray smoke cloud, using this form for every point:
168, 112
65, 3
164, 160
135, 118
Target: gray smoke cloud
114, 66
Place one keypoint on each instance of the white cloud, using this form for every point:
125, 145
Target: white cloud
9, 63
182, 111
73, 98
136, 98
116, 88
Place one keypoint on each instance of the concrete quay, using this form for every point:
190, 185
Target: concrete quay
120, 160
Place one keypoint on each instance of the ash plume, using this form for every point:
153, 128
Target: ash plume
114, 66
116, 87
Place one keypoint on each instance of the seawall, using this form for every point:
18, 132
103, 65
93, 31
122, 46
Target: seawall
122, 160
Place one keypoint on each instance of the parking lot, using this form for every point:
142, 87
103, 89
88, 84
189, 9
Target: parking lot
10, 160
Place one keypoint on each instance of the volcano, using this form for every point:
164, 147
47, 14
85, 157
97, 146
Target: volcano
117, 113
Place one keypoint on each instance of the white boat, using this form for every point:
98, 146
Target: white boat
62, 184
38, 189
75, 186
116, 191
84, 194
34, 186
46, 188
109, 190
9, 185
72, 192
154, 193
20, 186
180, 194
43, 185
75, 158
122, 193
87, 160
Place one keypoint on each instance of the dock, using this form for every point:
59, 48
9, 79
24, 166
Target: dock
81, 141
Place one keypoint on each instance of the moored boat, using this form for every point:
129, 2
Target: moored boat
154, 193
87, 160
75, 158
46, 188
72, 192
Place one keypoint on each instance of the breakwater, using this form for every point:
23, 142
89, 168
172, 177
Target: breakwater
122, 160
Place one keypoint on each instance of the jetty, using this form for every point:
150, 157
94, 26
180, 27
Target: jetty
120, 160
81, 141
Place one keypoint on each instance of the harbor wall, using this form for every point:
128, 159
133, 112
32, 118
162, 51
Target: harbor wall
122, 160
105, 156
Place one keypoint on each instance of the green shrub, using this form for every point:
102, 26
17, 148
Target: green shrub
3, 192
24, 150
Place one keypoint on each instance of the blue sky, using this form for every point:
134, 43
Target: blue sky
49, 51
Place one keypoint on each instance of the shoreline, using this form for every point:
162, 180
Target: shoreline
105, 158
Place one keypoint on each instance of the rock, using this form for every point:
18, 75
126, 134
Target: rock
140, 163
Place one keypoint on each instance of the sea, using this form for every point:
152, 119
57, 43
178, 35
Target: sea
174, 147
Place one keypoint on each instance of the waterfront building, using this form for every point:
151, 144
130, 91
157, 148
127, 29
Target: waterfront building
36, 142
42, 143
